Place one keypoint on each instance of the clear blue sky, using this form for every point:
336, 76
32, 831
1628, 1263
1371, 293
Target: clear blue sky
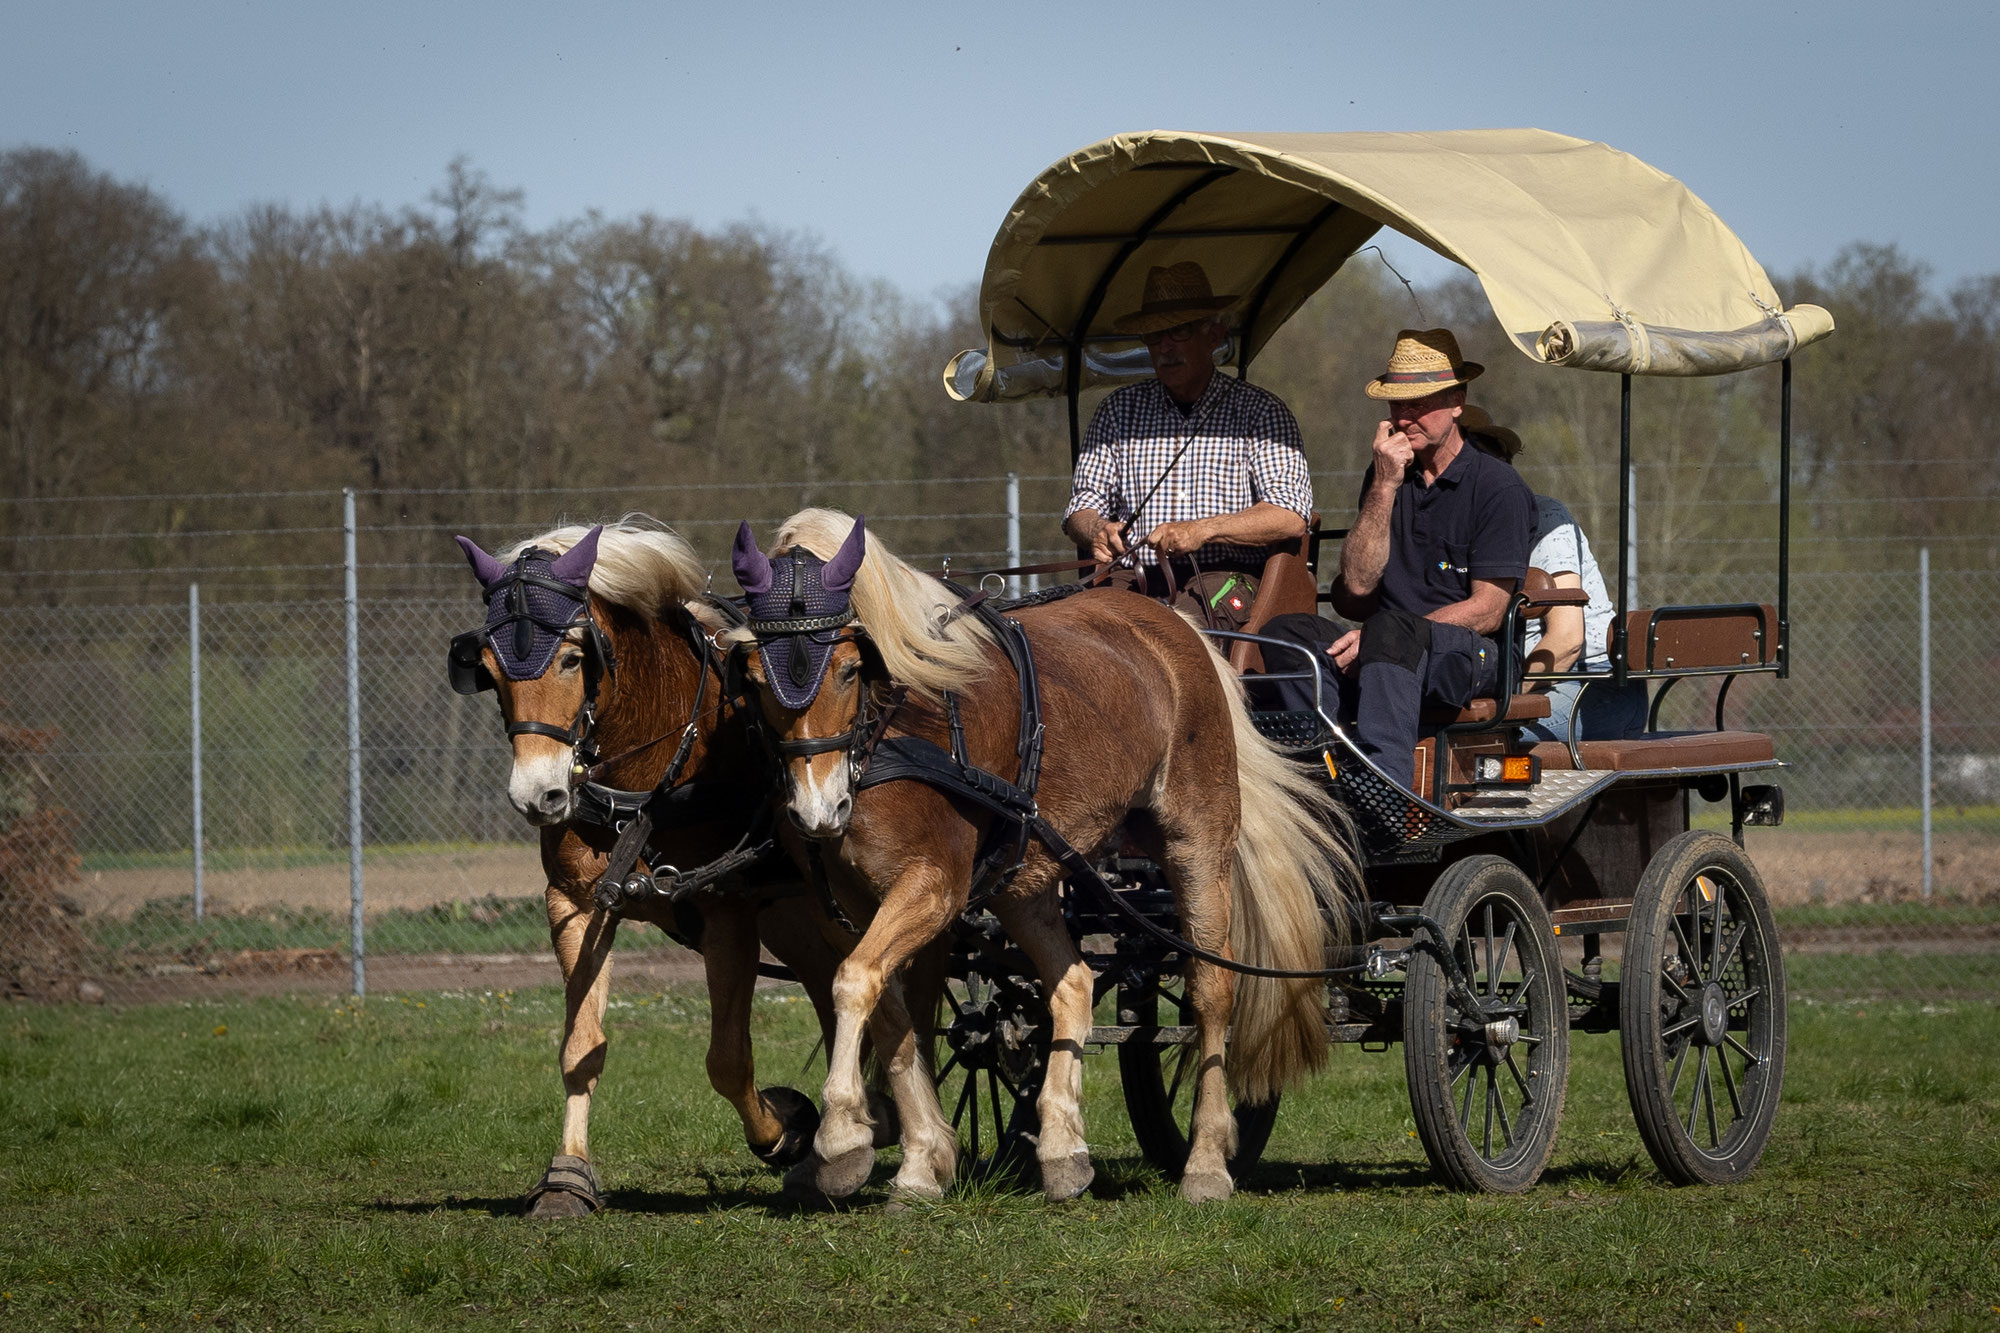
899, 134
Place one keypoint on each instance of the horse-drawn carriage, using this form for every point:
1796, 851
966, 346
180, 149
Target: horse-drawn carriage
1493, 894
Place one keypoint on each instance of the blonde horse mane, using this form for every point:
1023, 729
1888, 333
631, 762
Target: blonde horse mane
642, 564
899, 606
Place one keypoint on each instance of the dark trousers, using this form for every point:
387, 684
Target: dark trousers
1404, 664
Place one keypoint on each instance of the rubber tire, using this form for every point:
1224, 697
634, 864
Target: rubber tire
1143, 1079
1428, 1046
1643, 1003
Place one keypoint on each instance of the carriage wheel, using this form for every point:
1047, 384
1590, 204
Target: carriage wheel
994, 1055
1487, 1065
1158, 1080
1701, 1011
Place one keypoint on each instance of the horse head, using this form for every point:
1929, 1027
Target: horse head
544, 655
808, 670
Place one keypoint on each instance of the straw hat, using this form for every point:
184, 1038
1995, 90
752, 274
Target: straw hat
1425, 360
1174, 296
1474, 421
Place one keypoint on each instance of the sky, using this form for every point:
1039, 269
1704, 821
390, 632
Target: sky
898, 135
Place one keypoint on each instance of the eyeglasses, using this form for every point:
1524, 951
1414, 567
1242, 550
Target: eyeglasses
1179, 333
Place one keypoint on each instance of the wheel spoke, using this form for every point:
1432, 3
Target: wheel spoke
1729, 952
1491, 1093
1530, 978
965, 1091
1505, 940
1673, 985
1745, 997
1679, 1027
999, 1121
949, 1065
1527, 1097
1471, 1085
1465, 1057
1694, 1101
1500, 1105
1689, 954
1708, 1099
1729, 1082
972, 1086
1674, 1079
1715, 949
1181, 1063
1492, 977
1742, 1050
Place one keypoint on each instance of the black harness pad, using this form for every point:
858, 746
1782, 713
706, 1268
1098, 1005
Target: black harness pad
1395, 637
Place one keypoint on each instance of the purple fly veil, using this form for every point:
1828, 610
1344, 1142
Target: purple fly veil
484, 567
752, 566
574, 565
838, 576
526, 621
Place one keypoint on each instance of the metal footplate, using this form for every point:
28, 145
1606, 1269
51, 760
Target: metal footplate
1554, 793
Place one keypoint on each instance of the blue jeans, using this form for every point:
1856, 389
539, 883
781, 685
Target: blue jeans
1609, 712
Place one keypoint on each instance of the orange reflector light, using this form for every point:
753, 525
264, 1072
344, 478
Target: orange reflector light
1331, 771
1517, 768
1707, 887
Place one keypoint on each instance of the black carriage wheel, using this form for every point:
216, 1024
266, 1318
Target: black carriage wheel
991, 1058
1701, 1011
1159, 1086
1488, 1065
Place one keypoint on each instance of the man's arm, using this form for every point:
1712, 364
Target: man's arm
1365, 553
1262, 524
1094, 488
1483, 612
1087, 527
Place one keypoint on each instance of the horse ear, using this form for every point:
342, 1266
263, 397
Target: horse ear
753, 567
484, 567
574, 565
838, 576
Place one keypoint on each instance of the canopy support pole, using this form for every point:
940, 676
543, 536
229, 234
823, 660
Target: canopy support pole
1073, 376
1298, 243
1625, 561
1784, 518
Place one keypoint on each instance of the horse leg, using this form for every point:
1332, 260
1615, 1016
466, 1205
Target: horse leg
930, 1145
916, 908
793, 933
1036, 925
1197, 864
582, 942
778, 1123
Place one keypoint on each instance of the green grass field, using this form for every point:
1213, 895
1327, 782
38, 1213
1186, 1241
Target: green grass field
324, 1164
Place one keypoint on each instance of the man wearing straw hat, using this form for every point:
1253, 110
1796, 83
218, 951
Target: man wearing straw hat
1195, 472
1440, 544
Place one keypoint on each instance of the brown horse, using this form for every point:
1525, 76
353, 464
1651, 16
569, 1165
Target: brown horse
642, 682
1147, 738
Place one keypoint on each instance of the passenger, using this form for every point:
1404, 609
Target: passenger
1205, 470
1553, 645
1438, 548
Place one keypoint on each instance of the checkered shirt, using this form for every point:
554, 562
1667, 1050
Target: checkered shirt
1246, 449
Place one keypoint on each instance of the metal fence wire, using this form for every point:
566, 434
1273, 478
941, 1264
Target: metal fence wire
102, 894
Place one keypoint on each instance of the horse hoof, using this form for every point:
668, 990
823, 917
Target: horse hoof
1065, 1178
802, 1184
800, 1118
903, 1197
1206, 1187
569, 1188
844, 1173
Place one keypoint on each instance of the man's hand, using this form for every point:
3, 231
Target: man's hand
1344, 650
1179, 538
1106, 544
1394, 452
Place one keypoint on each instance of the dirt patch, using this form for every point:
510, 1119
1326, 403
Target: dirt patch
1812, 866
392, 881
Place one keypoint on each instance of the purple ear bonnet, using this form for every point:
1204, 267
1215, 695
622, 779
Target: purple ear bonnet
533, 602
798, 603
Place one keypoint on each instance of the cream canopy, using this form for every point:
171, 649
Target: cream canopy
1590, 258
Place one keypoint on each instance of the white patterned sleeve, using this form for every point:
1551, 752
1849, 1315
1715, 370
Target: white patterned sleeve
1278, 471
1095, 483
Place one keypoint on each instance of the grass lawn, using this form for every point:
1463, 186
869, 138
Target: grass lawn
325, 1164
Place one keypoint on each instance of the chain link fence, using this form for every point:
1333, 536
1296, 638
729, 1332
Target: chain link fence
103, 895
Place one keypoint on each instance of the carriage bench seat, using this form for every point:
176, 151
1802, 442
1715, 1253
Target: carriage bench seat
1663, 750
1520, 708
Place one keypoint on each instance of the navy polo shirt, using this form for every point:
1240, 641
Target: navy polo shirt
1476, 521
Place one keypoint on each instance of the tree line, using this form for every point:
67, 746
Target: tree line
446, 347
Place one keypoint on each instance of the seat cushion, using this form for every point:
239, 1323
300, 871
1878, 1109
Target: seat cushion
1663, 750
1520, 708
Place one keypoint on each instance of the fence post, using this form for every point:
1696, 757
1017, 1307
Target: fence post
1013, 532
194, 732
353, 746
1924, 677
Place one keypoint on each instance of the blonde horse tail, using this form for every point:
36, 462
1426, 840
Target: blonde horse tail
1293, 856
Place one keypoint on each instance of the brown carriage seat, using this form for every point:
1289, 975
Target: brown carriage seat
1663, 749
1287, 584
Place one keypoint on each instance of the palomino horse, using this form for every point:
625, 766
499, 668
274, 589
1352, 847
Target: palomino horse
596, 644
1146, 738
